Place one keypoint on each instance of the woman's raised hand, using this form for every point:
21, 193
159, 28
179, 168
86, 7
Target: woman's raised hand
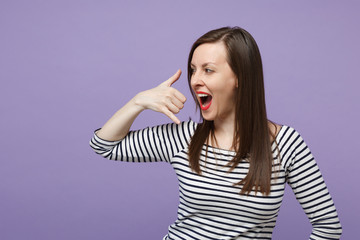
163, 98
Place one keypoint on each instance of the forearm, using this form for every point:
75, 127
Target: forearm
162, 98
117, 127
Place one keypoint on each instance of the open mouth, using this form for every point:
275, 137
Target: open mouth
205, 100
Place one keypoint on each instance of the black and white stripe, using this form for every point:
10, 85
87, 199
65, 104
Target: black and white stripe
210, 205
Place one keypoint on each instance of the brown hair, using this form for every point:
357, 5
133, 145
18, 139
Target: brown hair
252, 133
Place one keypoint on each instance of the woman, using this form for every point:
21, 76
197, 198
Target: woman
233, 166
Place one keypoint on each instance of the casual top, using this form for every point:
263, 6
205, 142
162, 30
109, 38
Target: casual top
210, 205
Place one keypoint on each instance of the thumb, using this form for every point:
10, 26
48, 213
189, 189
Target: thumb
172, 79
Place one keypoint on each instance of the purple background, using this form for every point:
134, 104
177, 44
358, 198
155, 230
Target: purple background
67, 66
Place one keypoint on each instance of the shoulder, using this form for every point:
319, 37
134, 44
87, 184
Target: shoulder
274, 128
290, 146
281, 130
189, 125
184, 129
289, 139
182, 126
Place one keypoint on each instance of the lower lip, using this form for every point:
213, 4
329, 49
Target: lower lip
205, 107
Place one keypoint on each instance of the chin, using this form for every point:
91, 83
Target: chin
207, 117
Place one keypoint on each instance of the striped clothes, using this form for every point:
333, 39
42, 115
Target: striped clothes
210, 205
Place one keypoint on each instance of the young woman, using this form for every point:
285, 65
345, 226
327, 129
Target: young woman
233, 166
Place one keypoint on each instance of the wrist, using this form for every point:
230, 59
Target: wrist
138, 103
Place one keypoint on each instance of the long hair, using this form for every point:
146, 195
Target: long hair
252, 134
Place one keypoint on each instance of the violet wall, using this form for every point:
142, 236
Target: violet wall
67, 66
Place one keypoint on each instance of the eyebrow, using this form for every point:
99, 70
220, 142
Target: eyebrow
204, 65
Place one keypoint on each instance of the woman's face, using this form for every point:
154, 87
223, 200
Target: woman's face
213, 82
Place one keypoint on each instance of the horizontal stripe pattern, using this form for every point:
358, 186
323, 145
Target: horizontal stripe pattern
210, 205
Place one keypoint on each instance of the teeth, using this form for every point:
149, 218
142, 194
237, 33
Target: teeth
202, 95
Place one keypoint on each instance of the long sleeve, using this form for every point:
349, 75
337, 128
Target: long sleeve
152, 144
307, 183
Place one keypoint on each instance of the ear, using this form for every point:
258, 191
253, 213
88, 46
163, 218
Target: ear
236, 82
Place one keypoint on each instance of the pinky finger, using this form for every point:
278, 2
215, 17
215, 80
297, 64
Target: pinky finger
171, 116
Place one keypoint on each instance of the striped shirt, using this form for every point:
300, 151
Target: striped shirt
210, 205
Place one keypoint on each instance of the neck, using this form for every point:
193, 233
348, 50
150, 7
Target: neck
224, 133
224, 128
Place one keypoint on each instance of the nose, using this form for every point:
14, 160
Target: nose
196, 80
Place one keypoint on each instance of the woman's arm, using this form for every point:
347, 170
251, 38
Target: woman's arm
151, 144
163, 98
310, 190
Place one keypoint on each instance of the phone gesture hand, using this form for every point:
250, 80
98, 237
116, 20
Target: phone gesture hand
164, 98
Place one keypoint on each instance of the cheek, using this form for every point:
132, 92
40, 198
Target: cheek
228, 95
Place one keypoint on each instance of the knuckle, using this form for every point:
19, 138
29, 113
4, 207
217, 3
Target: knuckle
172, 90
163, 109
163, 101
